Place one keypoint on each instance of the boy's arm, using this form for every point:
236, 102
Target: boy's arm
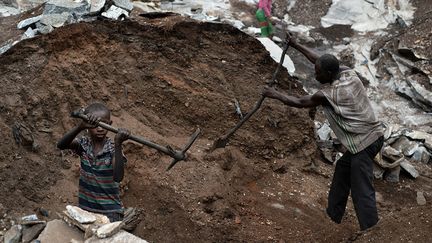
303, 102
119, 158
68, 141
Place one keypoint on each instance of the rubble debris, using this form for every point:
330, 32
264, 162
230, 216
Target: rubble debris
13, 235
421, 154
367, 15
80, 215
96, 6
30, 33
421, 200
408, 167
31, 232
115, 13
60, 6
324, 132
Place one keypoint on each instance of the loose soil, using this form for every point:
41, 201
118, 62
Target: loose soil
162, 78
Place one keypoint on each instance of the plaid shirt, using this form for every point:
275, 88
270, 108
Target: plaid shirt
98, 192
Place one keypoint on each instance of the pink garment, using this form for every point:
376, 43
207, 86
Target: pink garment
266, 6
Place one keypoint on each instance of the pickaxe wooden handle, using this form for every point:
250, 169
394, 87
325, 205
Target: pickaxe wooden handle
168, 150
221, 142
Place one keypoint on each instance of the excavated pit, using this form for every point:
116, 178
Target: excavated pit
163, 78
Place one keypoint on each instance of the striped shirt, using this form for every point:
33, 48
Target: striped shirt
98, 192
350, 113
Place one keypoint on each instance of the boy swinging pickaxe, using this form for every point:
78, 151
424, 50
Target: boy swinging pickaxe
168, 150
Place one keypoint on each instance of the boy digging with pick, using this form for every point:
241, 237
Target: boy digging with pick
102, 163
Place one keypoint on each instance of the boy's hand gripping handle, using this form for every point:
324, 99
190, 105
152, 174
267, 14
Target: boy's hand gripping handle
168, 150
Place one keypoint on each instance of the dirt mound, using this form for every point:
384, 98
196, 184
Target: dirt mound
162, 78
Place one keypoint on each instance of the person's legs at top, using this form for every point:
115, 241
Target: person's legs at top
362, 190
263, 23
340, 188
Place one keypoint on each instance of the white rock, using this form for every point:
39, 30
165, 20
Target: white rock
108, 230
124, 4
408, 167
115, 12
80, 215
421, 200
96, 5
30, 33
26, 22
55, 20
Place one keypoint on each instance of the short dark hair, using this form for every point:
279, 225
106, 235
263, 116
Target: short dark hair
329, 63
96, 106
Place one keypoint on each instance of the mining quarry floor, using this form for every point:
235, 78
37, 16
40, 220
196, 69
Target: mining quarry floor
163, 78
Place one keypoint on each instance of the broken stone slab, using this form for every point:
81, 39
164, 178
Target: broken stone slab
324, 132
27, 22
121, 236
30, 33
61, 6
109, 230
13, 235
5, 48
419, 135
44, 29
115, 13
124, 4
421, 155
59, 231
404, 145
80, 215
31, 232
55, 20
96, 5
100, 220
408, 167
6, 11
421, 200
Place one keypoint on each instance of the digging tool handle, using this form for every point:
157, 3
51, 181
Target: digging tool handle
176, 155
258, 104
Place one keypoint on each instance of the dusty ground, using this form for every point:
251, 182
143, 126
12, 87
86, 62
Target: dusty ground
163, 78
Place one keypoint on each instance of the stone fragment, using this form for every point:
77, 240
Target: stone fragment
30, 33
26, 22
58, 231
32, 217
96, 5
324, 132
408, 167
421, 155
378, 172
13, 235
410, 149
124, 4
421, 200
115, 12
108, 230
80, 215
62, 6
121, 236
391, 153
31, 232
44, 29
55, 20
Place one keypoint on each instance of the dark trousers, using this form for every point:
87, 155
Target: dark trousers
355, 172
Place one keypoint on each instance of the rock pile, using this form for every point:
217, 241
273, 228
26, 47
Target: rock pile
77, 225
403, 149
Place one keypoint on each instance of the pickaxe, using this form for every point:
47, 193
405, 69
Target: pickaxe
221, 142
168, 150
